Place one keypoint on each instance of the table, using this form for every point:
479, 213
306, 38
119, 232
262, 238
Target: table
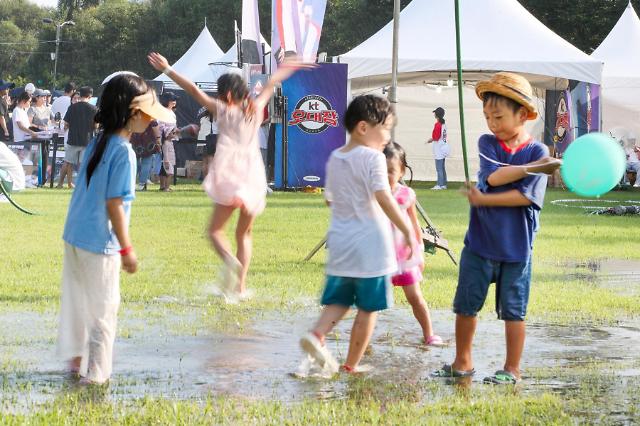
44, 141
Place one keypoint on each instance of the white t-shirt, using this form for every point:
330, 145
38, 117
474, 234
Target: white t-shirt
359, 239
61, 105
441, 148
11, 163
632, 156
206, 127
19, 115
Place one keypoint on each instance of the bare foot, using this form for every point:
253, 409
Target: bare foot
74, 364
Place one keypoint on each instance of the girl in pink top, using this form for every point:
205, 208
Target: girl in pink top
236, 176
410, 265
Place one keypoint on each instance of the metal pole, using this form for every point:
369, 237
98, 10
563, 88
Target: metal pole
393, 90
55, 62
460, 100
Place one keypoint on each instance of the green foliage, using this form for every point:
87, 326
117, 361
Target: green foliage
583, 23
116, 34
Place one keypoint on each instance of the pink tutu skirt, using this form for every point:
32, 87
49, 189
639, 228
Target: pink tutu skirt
409, 277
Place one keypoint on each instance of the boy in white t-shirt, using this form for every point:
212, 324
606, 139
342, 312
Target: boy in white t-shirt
361, 253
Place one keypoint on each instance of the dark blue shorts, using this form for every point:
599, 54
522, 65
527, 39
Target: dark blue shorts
512, 280
368, 294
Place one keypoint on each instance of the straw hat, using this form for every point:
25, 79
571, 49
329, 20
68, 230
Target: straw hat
512, 86
148, 103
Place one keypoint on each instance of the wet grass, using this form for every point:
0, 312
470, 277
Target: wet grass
168, 230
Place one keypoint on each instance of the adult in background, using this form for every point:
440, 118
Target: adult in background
145, 145
4, 110
168, 134
80, 122
39, 114
20, 119
22, 133
633, 163
61, 104
209, 134
440, 147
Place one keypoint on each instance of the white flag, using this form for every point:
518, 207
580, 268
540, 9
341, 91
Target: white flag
251, 46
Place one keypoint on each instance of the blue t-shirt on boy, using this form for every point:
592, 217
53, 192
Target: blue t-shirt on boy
88, 226
506, 234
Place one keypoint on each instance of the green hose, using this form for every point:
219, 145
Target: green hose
460, 100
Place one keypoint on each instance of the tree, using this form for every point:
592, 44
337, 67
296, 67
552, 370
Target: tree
71, 7
15, 49
583, 23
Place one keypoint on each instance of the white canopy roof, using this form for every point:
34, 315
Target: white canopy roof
620, 52
194, 64
496, 35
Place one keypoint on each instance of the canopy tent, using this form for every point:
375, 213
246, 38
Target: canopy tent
620, 52
231, 55
496, 35
195, 61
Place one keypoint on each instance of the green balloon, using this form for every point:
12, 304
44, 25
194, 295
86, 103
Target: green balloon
593, 164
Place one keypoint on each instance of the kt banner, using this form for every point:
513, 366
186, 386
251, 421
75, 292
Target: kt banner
316, 103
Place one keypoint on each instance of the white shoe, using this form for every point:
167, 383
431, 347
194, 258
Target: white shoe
436, 188
312, 346
443, 187
636, 185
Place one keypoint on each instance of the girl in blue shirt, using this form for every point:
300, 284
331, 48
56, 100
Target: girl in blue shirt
96, 232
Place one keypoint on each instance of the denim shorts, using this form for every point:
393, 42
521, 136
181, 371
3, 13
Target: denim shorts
368, 294
512, 280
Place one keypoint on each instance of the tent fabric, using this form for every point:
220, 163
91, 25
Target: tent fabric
620, 52
416, 120
496, 35
195, 61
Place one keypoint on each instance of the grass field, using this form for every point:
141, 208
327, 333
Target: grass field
176, 262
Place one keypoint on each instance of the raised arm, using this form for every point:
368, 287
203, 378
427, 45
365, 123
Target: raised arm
285, 70
161, 64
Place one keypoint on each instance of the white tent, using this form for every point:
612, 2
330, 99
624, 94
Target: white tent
496, 35
194, 64
620, 52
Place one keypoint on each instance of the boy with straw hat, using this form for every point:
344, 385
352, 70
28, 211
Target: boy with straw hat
505, 209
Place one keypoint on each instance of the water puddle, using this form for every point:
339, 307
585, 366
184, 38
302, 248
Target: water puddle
154, 361
622, 276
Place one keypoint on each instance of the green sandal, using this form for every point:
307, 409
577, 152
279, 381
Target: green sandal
447, 371
501, 377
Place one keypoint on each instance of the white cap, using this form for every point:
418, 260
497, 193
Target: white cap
30, 88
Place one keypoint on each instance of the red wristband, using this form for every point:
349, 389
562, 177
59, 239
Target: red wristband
125, 251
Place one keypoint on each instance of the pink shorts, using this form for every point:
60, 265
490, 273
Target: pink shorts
410, 277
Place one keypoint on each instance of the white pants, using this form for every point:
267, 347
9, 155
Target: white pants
88, 310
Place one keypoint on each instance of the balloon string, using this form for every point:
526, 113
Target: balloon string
491, 160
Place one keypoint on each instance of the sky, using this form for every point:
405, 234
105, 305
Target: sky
48, 3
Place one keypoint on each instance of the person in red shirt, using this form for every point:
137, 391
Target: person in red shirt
440, 147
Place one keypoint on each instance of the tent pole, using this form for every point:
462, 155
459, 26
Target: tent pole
393, 91
460, 100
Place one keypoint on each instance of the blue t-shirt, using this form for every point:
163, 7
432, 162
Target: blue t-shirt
506, 234
88, 226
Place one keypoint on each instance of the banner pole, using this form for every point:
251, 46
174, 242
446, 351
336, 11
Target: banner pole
460, 98
393, 90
